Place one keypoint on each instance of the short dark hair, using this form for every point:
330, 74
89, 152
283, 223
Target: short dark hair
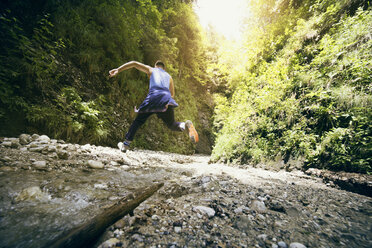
159, 63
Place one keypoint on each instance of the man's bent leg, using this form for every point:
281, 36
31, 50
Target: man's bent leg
138, 122
168, 118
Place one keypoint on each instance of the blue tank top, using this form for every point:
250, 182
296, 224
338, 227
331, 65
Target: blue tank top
159, 78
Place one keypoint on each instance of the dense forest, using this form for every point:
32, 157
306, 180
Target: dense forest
299, 87
55, 58
296, 88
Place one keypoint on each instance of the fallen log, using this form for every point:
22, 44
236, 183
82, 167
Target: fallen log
87, 234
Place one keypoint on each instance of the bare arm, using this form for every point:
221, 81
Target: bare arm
139, 66
171, 87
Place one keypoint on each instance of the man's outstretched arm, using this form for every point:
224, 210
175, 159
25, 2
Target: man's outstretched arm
171, 87
139, 66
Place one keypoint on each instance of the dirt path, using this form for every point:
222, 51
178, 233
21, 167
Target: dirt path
47, 186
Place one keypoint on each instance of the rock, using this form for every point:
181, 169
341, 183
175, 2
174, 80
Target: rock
111, 243
45, 150
95, 164
113, 163
155, 217
5, 159
274, 246
296, 245
15, 144
205, 180
43, 139
263, 237
276, 206
33, 144
35, 136
31, 193
120, 224
259, 206
238, 210
137, 237
205, 210
172, 212
40, 165
282, 244
53, 155
52, 148
36, 149
118, 233
292, 211
100, 186
7, 144
62, 154
177, 229
6, 168
24, 139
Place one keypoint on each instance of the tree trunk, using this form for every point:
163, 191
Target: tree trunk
87, 234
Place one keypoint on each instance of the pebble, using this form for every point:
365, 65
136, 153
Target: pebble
6, 168
205, 180
282, 244
40, 165
238, 210
177, 229
5, 159
95, 164
52, 148
111, 243
35, 136
100, 186
137, 237
120, 224
36, 149
259, 206
113, 163
296, 245
62, 154
262, 237
205, 210
155, 217
118, 233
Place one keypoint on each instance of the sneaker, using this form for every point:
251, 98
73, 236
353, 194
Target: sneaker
192, 132
123, 147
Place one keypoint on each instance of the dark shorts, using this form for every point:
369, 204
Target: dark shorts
157, 100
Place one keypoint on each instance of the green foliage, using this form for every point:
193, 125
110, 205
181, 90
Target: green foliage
55, 68
70, 117
304, 90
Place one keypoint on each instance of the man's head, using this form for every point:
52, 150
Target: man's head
160, 64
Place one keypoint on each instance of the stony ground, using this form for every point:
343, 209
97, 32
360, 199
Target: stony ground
200, 205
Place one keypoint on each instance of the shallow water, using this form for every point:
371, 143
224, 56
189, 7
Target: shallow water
59, 201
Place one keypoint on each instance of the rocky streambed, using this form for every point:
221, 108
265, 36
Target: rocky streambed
48, 186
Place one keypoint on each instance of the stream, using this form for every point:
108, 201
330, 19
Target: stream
48, 187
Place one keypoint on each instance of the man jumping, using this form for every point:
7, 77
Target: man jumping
159, 100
